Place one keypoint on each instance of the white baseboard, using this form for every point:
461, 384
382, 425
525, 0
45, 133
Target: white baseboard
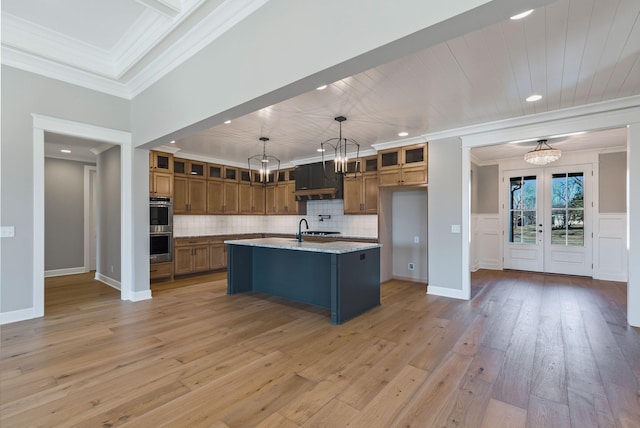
15, 316
109, 281
490, 266
611, 277
61, 272
445, 292
475, 266
137, 296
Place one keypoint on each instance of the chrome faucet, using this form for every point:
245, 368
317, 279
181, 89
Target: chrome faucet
299, 236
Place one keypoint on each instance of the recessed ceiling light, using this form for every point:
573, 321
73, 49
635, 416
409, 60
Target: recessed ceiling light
319, 88
227, 122
522, 15
172, 141
320, 150
65, 151
403, 134
534, 97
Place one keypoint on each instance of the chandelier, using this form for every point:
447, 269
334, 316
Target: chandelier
259, 164
341, 147
542, 154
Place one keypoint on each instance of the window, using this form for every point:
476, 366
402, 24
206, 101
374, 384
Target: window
567, 209
522, 209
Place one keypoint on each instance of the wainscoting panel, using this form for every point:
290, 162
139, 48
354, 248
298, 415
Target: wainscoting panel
610, 250
487, 242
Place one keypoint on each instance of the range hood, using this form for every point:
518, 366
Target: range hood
313, 182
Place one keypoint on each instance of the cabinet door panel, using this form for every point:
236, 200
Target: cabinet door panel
257, 199
217, 256
270, 198
162, 184
197, 196
230, 197
200, 258
183, 260
292, 204
370, 188
389, 178
414, 176
353, 195
180, 195
281, 199
245, 205
215, 197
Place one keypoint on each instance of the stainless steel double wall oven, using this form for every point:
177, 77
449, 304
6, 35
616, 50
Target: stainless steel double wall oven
160, 229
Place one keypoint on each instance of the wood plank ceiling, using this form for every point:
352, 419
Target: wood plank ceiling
572, 52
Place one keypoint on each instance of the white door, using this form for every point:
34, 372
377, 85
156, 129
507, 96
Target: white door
548, 219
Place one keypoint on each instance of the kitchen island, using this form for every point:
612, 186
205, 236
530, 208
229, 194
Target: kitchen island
341, 276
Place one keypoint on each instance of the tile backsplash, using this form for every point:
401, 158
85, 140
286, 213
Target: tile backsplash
363, 226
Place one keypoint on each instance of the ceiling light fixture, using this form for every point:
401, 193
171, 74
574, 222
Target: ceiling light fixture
227, 122
542, 154
172, 141
320, 88
533, 98
259, 163
521, 15
65, 151
403, 134
341, 147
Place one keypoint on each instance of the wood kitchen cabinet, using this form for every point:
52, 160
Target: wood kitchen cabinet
217, 255
160, 174
403, 166
160, 184
222, 189
250, 196
189, 168
160, 270
190, 195
280, 197
361, 187
191, 255
160, 162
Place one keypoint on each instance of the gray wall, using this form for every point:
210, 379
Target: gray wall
25, 93
410, 220
445, 210
613, 182
487, 181
63, 214
108, 221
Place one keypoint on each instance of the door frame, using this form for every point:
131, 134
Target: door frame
41, 124
90, 173
583, 161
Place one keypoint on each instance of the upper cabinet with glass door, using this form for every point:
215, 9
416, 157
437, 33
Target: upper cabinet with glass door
403, 166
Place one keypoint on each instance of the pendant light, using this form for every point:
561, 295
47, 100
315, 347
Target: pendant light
542, 154
341, 149
259, 164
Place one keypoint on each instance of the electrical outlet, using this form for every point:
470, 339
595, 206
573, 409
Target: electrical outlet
111, 268
416, 239
7, 231
411, 266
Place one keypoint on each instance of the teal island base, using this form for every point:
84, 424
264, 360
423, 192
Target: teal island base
341, 276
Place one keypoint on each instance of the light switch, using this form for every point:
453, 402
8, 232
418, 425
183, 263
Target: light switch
7, 232
455, 228
416, 239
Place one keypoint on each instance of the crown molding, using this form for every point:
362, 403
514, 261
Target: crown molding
54, 70
39, 41
399, 143
170, 8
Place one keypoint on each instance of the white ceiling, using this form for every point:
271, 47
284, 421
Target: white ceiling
81, 149
572, 52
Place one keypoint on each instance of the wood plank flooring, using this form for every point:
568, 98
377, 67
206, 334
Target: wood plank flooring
528, 350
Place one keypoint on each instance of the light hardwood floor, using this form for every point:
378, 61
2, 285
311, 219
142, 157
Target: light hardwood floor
528, 350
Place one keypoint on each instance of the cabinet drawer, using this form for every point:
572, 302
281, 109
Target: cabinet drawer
159, 270
186, 242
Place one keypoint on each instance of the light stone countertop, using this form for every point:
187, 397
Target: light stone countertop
335, 247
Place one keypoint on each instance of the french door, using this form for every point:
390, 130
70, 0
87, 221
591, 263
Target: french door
548, 218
